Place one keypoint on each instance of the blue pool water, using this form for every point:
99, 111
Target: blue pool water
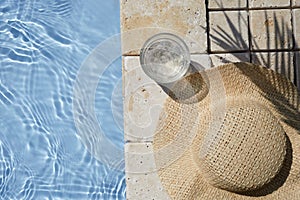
59, 139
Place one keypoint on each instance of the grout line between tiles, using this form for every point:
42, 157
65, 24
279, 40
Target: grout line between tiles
293, 44
251, 9
207, 28
256, 51
249, 32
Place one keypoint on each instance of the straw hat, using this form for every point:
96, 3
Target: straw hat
241, 140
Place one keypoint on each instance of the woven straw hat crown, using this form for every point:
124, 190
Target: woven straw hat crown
246, 151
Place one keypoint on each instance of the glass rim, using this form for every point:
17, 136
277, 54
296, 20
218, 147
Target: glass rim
170, 37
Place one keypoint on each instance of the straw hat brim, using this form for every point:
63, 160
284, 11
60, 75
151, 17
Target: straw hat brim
182, 177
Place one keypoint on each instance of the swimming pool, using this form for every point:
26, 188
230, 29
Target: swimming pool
46, 147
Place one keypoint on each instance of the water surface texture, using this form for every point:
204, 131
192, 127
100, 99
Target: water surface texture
42, 47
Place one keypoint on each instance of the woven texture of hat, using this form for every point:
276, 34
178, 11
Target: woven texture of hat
246, 151
247, 144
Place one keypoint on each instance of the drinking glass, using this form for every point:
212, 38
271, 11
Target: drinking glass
165, 58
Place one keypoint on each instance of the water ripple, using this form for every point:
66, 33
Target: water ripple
6, 168
42, 45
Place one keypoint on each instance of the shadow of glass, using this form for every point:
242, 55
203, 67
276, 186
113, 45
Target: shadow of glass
192, 88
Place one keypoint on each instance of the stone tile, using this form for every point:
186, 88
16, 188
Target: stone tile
281, 62
296, 3
203, 61
139, 158
228, 31
296, 22
297, 65
142, 181
227, 4
141, 19
219, 59
268, 4
271, 29
144, 99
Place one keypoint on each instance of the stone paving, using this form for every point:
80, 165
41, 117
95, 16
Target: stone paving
216, 31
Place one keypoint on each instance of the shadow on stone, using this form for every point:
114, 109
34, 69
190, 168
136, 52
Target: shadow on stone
192, 88
271, 56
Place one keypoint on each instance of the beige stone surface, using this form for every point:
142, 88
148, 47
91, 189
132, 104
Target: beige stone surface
281, 62
219, 59
141, 181
227, 3
202, 60
144, 99
228, 31
268, 3
271, 29
297, 64
296, 22
296, 3
140, 158
141, 19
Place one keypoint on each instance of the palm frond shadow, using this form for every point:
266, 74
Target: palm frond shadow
282, 64
225, 40
234, 41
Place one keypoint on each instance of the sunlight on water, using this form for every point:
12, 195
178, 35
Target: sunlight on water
42, 46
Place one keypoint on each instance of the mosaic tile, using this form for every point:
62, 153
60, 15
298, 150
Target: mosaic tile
268, 4
281, 62
228, 31
271, 29
227, 4
296, 23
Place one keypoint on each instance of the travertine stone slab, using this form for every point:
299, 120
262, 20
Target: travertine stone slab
228, 31
144, 99
219, 59
141, 19
141, 181
268, 3
296, 3
296, 20
297, 64
227, 4
281, 62
271, 29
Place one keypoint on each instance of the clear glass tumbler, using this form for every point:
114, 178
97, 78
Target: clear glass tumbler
165, 58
